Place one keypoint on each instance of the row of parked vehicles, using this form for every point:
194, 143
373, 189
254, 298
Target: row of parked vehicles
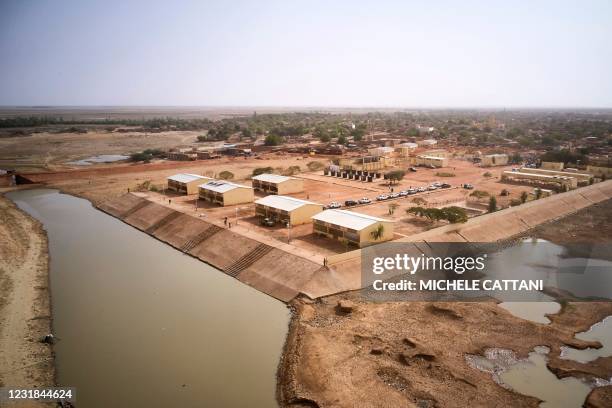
383, 197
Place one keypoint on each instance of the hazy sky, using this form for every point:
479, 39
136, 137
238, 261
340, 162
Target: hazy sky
306, 53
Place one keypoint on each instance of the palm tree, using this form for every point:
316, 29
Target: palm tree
378, 232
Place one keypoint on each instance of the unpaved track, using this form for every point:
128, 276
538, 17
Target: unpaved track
24, 302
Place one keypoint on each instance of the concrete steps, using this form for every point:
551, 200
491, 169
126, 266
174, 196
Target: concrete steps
168, 218
198, 239
135, 208
247, 260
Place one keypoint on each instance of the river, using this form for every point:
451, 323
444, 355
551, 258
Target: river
140, 324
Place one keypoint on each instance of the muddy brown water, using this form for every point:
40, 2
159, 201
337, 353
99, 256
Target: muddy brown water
142, 325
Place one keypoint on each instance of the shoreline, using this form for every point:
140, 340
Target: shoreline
25, 307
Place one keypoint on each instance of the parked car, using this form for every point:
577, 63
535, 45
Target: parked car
468, 186
421, 189
404, 193
334, 205
413, 169
364, 200
350, 203
432, 187
445, 185
268, 222
382, 197
394, 195
412, 191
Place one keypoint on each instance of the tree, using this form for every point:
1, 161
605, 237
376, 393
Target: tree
378, 232
273, 140
226, 175
515, 158
246, 132
202, 138
291, 170
454, 214
524, 197
342, 140
315, 165
504, 193
395, 176
262, 170
492, 204
538, 193
392, 208
479, 194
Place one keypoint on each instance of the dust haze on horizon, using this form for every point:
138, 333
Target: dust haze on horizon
383, 54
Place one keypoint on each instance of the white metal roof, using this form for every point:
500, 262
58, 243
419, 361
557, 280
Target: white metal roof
409, 145
221, 186
187, 178
272, 178
283, 202
348, 219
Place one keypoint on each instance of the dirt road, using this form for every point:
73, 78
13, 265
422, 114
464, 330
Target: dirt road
25, 315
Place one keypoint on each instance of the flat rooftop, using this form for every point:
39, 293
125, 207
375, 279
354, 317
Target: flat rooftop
348, 219
187, 177
284, 203
272, 178
221, 186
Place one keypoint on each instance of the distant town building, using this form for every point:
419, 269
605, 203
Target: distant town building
225, 193
552, 165
406, 149
600, 171
287, 210
352, 228
423, 160
490, 160
383, 151
275, 184
186, 183
427, 142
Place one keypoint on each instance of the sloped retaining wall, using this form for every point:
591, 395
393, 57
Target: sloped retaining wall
275, 272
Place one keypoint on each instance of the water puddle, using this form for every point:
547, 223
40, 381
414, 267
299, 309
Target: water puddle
102, 158
601, 332
533, 311
532, 377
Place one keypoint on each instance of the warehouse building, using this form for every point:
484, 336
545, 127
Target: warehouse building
352, 228
563, 182
225, 193
287, 210
275, 184
423, 160
186, 183
382, 151
494, 160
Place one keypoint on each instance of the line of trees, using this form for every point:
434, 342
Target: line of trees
451, 214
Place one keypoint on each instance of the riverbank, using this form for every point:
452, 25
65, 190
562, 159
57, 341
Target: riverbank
343, 351
25, 307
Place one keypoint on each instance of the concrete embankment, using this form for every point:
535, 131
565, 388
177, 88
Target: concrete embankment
267, 269
284, 275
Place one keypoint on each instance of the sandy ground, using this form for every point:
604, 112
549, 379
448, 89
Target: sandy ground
25, 315
413, 354
51, 151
